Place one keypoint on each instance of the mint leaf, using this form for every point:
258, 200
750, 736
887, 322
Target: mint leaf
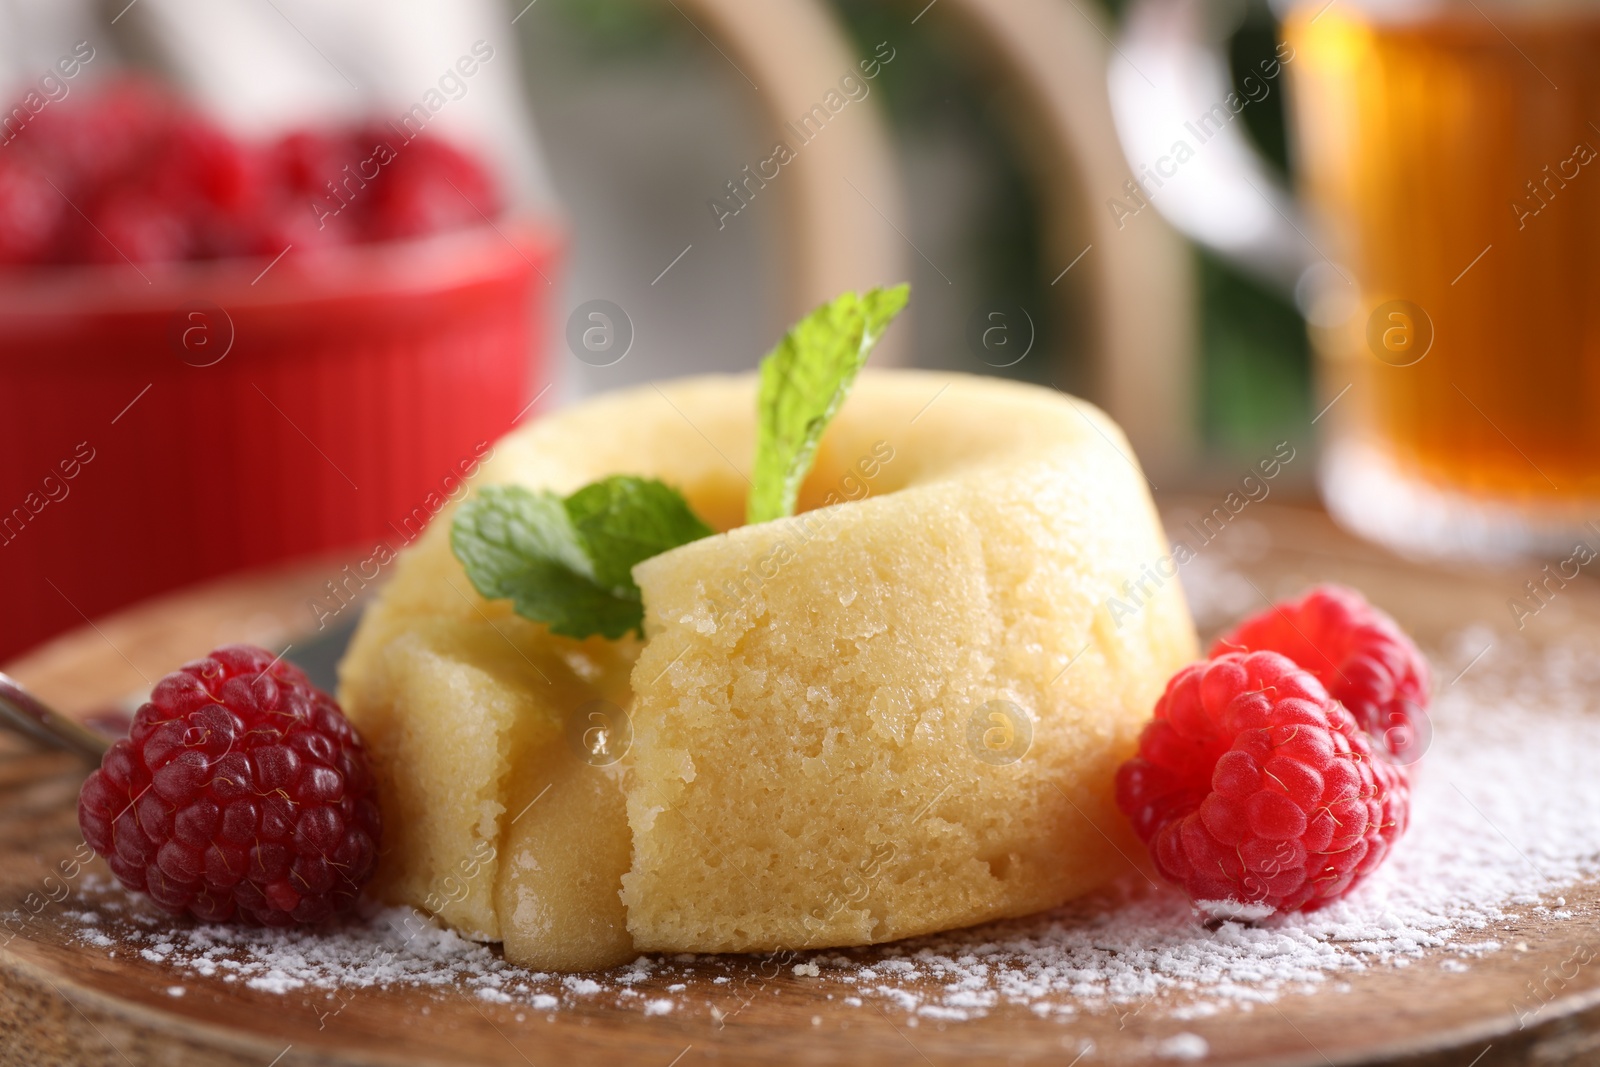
520, 545
804, 380
568, 563
625, 520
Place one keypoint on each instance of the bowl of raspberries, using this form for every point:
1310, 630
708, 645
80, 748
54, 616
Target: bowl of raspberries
286, 344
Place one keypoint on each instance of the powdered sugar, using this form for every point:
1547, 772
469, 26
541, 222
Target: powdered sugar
1183, 1047
1490, 840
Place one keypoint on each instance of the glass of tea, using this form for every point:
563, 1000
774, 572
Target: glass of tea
1450, 155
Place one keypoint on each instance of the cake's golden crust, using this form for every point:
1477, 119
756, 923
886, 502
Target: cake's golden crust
823, 709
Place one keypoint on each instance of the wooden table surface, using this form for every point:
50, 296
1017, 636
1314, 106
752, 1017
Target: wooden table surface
63, 1001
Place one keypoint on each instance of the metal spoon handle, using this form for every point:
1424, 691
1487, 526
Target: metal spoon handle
28, 715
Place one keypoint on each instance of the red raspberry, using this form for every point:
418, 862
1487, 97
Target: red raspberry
136, 225
30, 212
428, 187
97, 139
241, 792
304, 161
1358, 653
1257, 791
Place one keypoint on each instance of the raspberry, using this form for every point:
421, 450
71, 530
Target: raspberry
428, 187
30, 211
1358, 653
242, 792
1257, 791
137, 226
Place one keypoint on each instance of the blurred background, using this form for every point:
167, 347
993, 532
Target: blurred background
273, 272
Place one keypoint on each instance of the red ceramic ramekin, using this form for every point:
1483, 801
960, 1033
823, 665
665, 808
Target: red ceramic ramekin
164, 425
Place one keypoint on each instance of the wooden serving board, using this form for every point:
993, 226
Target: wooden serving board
65, 1001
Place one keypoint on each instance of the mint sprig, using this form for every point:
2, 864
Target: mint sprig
804, 380
568, 562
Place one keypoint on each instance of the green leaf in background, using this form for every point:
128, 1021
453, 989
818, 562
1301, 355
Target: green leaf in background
568, 563
804, 380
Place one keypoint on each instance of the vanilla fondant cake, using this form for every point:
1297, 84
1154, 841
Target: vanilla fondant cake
895, 712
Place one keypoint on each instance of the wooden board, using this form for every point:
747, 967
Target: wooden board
63, 1001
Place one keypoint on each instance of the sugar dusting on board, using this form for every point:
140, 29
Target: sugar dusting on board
1491, 841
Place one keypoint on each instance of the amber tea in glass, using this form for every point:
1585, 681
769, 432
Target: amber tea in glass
1452, 158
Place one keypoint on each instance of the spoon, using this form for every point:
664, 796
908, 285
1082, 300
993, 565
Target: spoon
26, 714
